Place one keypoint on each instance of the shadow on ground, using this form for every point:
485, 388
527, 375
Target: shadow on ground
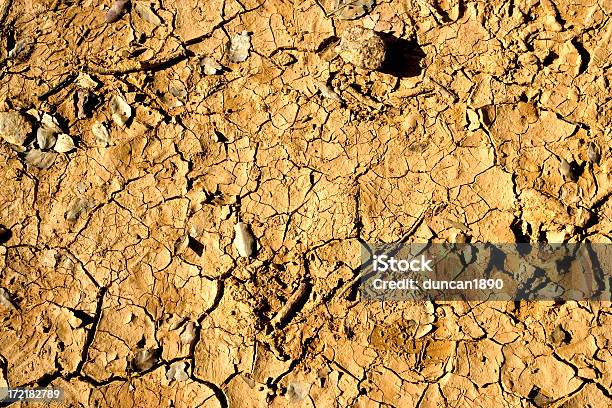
403, 57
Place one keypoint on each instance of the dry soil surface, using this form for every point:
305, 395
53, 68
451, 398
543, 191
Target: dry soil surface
148, 152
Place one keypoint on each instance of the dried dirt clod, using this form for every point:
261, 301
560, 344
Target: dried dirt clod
567, 170
363, 48
593, 153
528, 111
240, 46
14, 128
116, 11
559, 336
244, 241
39, 159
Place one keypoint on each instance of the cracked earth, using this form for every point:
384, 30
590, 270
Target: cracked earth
194, 239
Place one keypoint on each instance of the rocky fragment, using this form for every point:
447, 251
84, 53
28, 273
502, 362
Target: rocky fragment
328, 92
362, 47
352, 9
239, 47
45, 138
144, 12
85, 81
297, 391
210, 66
40, 159
181, 244
5, 300
144, 360
473, 120
50, 122
567, 170
100, 131
116, 11
64, 144
189, 333
293, 304
539, 398
14, 128
422, 331
177, 371
120, 110
593, 153
558, 336
79, 207
5, 234
17, 49
49, 258
178, 90
46, 135
82, 101
244, 241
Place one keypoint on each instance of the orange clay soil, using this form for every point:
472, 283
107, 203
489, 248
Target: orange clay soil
185, 186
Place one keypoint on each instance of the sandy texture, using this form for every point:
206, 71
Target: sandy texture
128, 281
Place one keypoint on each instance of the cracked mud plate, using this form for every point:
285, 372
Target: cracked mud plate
197, 241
